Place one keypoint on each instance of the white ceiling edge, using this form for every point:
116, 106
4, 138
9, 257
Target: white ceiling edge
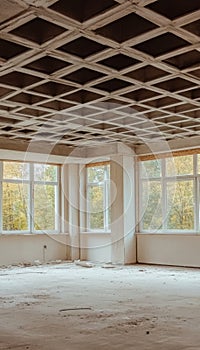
48, 158
168, 146
10, 155
46, 153
61, 154
109, 150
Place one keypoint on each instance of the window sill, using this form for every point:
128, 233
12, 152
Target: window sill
172, 233
33, 234
96, 233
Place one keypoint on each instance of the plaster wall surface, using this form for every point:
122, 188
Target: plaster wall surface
16, 249
122, 209
96, 247
169, 249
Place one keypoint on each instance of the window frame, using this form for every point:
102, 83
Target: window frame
164, 181
30, 207
105, 184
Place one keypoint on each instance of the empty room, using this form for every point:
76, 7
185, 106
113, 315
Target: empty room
99, 174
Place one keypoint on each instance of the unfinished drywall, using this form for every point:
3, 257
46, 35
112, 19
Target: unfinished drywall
169, 249
20, 249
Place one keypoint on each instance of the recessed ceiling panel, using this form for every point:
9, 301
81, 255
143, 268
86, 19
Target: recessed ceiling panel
10, 49
82, 47
83, 76
176, 84
140, 95
185, 60
119, 62
193, 27
126, 28
18, 79
53, 89
173, 9
112, 85
147, 73
47, 65
161, 44
38, 30
85, 72
82, 96
81, 10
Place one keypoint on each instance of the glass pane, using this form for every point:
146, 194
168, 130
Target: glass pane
180, 205
151, 168
151, 205
44, 207
96, 206
15, 170
96, 174
45, 172
15, 207
182, 165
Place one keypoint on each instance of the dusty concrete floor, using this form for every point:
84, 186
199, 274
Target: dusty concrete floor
68, 307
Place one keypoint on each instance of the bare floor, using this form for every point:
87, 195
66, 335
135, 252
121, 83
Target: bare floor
68, 307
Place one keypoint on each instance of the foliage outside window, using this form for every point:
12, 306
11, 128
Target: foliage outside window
98, 194
29, 197
169, 198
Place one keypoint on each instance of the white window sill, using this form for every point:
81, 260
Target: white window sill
32, 233
98, 232
170, 233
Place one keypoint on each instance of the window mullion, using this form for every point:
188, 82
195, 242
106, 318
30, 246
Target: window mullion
196, 193
31, 198
196, 204
1, 197
164, 195
58, 202
107, 197
100, 188
89, 186
105, 206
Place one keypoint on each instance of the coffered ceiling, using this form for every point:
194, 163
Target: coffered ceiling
85, 72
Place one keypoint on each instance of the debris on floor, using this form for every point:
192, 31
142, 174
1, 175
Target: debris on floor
108, 266
84, 263
65, 306
76, 309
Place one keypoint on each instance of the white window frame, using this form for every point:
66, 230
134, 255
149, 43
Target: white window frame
105, 184
164, 180
31, 182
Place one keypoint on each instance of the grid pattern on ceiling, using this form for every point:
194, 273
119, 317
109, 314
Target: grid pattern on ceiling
83, 72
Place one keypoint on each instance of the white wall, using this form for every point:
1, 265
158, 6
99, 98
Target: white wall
22, 248
123, 209
169, 249
15, 249
95, 247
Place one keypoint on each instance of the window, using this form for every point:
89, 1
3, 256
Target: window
98, 194
151, 205
29, 200
15, 196
169, 198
